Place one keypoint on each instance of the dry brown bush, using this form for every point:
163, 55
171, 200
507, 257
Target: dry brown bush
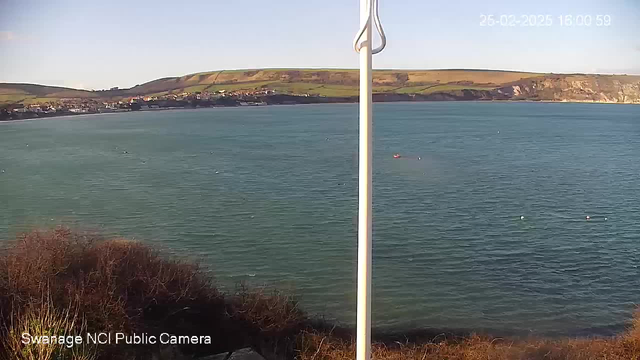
57, 277
313, 345
45, 320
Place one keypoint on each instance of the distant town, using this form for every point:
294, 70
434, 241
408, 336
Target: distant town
221, 98
306, 86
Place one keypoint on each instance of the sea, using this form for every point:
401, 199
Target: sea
480, 224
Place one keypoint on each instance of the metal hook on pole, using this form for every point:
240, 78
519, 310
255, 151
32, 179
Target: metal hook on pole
376, 19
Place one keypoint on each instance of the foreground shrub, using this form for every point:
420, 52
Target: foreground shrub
117, 286
314, 345
273, 320
61, 282
45, 320
116, 283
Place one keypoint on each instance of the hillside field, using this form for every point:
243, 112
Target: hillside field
454, 84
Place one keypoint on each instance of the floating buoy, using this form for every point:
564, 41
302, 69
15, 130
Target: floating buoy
396, 156
588, 217
419, 158
521, 217
605, 219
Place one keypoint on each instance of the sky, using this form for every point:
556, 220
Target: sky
101, 44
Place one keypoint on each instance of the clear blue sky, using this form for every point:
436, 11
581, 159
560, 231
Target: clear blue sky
100, 44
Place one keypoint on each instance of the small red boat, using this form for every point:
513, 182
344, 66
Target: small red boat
396, 156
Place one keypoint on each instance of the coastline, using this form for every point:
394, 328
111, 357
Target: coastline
334, 101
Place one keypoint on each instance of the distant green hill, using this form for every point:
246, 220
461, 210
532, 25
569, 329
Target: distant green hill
421, 84
25, 93
330, 82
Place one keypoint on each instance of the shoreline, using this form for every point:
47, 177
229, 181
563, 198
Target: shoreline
316, 103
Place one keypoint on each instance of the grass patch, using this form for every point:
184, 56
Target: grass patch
15, 98
450, 88
411, 89
158, 94
40, 100
294, 88
193, 89
335, 90
239, 86
384, 89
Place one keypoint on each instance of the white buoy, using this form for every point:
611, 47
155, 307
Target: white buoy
605, 219
588, 217
521, 217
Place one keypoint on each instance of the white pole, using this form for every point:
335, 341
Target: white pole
363, 344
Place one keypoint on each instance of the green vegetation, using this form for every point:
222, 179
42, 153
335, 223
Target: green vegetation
254, 85
40, 100
384, 89
336, 90
194, 89
59, 282
450, 88
343, 83
15, 98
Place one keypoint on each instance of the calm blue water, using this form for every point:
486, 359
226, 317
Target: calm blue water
268, 195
